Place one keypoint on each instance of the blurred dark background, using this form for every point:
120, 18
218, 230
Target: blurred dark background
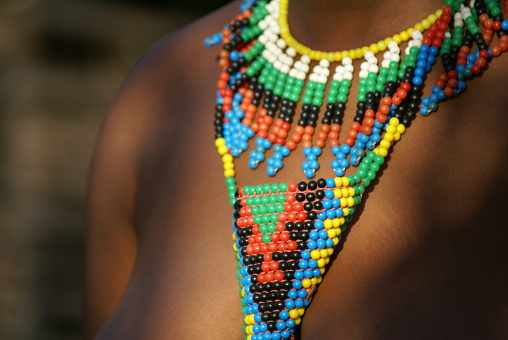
61, 62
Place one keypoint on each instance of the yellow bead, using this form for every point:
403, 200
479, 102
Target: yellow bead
227, 158
327, 260
387, 41
220, 142
298, 321
391, 129
351, 191
229, 165
381, 45
322, 270
235, 248
337, 56
337, 193
338, 181
329, 250
306, 283
337, 231
350, 202
222, 150
359, 53
401, 128
248, 330
337, 222
346, 211
410, 31
396, 136
328, 223
301, 311
382, 152
293, 313
315, 254
438, 13
344, 55
321, 263
330, 56
319, 279
426, 23
373, 48
419, 27
345, 181
397, 38
345, 192
404, 36
314, 281
229, 173
331, 233
343, 202
365, 49
384, 144
388, 136
335, 241
394, 121
324, 253
431, 18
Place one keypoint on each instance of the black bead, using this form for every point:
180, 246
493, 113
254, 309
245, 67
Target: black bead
302, 186
290, 226
320, 194
285, 256
310, 196
299, 226
321, 183
312, 185
307, 206
300, 197
312, 215
318, 205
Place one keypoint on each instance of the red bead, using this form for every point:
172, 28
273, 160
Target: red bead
265, 267
267, 257
291, 217
292, 245
405, 86
261, 278
275, 237
302, 216
255, 230
448, 91
496, 25
249, 249
288, 207
484, 54
282, 247
476, 69
284, 236
273, 247
292, 187
278, 275
453, 74
290, 198
283, 217
280, 226
274, 266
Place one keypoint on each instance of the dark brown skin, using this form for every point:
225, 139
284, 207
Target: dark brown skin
426, 257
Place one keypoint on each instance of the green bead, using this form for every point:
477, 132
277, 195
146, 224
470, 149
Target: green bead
379, 159
274, 218
362, 173
255, 210
259, 189
272, 228
267, 188
265, 200
279, 208
335, 84
283, 188
307, 99
271, 209
266, 238
317, 101
371, 175
282, 198
366, 182
374, 167
258, 219
263, 228
262, 210
275, 188
320, 86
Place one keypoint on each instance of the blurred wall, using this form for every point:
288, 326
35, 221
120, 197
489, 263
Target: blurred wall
60, 64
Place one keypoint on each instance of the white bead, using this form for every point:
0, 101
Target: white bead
277, 64
368, 55
263, 39
322, 79
348, 76
317, 69
291, 52
374, 68
281, 43
392, 44
339, 69
387, 55
325, 71
364, 66
324, 63
373, 61
313, 77
418, 43
337, 77
364, 73
300, 75
347, 61
263, 24
459, 23
293, 73
305, 59
305, 68
285, 68
395, 57
385, 63
457, 16
349, 68
448, 35
406, 51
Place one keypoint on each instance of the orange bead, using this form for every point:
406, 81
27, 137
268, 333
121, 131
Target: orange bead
282, 133
352, 133
349, 141
325, 128
291, 145
307, 137
496, 51
336, 127
280, 141
272, 138
369, 113
322, 135
296, 138
299, 130
448, 91
309, 130
385, 109
320, 143
307, 144
334, 135
333, 142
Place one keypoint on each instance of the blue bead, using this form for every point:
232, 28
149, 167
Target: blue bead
314, 235
257, 318
271, 171
424, 49
298, 274
504, 25
314, 164
276, 336
256, 328
345, 148
305, 254
421, 64
329, 193
461, 85
277, 155
321, 215
276, 147
305, 166
285, 151
330, 183
285, 334
334, 164
266, 143
329, 242
319, 224
302, 293
311, 244
419, 72
434, 50
433, 98
343, 163
316, 150
441, 95
339, 213
336, 203
321, 244
311, 157
298, 303
297, 284
422, 56
330, 213
436, 89
303, 264
290, 304
425, 101
338, 172
263, 327
431, 60
291, 323
268, 335
277, 164
317, 272
281, 325
327, 204
323, 234
307, 151
424, 110
335, 149
313, 264
309, 274
363, 137
292, 294
309, 173
471, 58
284, 314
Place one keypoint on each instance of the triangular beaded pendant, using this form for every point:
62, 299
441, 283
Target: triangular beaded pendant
284, 237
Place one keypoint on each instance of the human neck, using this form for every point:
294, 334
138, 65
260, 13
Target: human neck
345, 24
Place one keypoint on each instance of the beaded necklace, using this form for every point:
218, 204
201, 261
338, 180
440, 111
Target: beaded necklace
284, 234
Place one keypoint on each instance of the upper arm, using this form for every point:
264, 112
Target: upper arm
111, 242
